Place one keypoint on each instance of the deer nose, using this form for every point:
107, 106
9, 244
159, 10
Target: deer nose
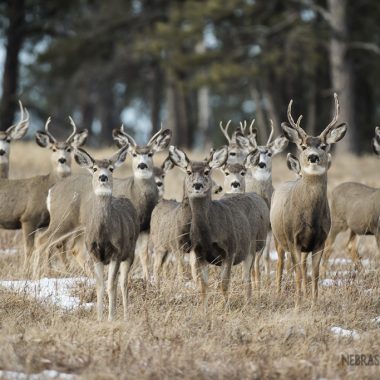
142, 166
197, 186
2, 152
235, 184
159, 184
62, 160
313, 158
262, 165
103, 178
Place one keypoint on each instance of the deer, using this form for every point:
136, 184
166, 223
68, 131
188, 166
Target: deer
14, 132
221, 232
111, 228
354, 207
159, 173
300, 214
140, 188
23, 201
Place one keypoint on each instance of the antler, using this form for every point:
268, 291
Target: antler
243, 126
155, 135
334, 119
225, 130
47, 129
22, 119
74, 129
271, 132
292, 123
130, 137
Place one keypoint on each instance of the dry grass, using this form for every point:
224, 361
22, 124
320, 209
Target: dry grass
168, 336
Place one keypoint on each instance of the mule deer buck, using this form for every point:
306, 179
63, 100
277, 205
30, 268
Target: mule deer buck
300, 214
140, 188
111, 228
23, 201
354, 207
14, 132
222, 232
259, 168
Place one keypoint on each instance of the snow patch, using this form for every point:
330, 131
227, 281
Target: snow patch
48, 374
58, 291
339, 331
330, 282
9, 251
340, 260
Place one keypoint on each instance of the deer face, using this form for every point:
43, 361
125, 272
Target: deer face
198, 182
14, 132
61, 150
314, 157
142, 155
101, 170
159, 175
234, 180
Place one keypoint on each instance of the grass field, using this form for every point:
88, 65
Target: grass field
49, 328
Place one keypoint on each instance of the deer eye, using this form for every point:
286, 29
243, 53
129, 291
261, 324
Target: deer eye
304, 147
8, 139
232, 154
188, 172
54, 149
134, 154
94, 169
323, 147
111, 169
150, 154
226, 173
269, 154
242, 174
207, 172
68, 150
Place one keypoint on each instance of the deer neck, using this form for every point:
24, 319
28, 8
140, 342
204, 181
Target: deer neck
4, 170
314, 187
101, 206
199, 216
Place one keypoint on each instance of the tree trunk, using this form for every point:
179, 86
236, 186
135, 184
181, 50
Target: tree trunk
156, 98
14, 38
107, 119
341, 71
261, 124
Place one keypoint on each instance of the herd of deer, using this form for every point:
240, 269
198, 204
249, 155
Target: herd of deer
103, 220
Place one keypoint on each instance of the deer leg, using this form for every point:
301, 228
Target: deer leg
280, 265
304, 272
125, 266
142, 247
316, 260
225, 278
98, 271
247, 267
200, 274
289, 263
353, 250
267, 254
180, 269
334, 231
257, 270
298, 275
157, 264
28, 231
113, 269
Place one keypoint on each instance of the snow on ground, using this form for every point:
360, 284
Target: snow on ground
9, 251
339, 331
376, 319
330, 282
48, 374
55, 290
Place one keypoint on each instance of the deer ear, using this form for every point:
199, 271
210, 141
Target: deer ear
335, 134
252, 159
18, 131
43, 139
242, 141
293, 163
278, 145
178, 157
79, 138
218, 158
83, 159
119, 157
162, 141
167, 165
291, 134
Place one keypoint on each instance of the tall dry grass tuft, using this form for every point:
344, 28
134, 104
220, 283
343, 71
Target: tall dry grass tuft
169, 336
